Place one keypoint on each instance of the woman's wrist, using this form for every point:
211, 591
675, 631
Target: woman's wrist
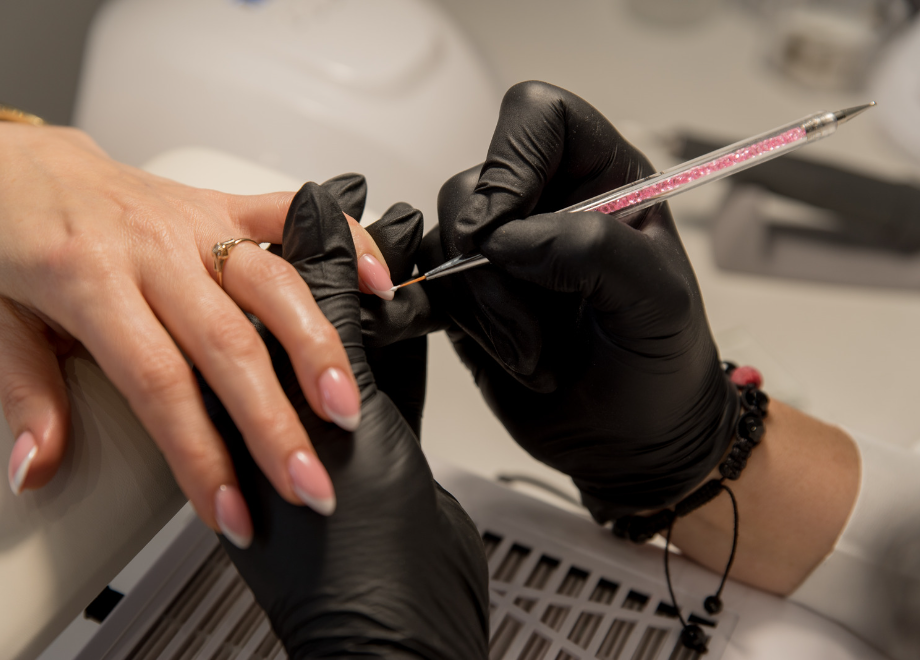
794, 499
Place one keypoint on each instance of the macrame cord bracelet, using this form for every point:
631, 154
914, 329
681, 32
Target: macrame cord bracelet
748, 433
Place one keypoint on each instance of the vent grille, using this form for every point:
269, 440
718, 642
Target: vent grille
547, 603
552, 602
564, 598
214, 617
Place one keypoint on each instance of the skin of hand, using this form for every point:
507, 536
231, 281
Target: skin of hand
120, 260
587, 336
794, 499
398, 571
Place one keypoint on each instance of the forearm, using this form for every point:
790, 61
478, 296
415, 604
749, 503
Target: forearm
794, 499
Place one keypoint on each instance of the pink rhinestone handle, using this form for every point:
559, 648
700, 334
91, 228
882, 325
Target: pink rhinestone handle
693, 175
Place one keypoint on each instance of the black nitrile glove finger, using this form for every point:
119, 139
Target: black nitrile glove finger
614, 378
350, 193
401, 365
398, 570
412, 312
511, 319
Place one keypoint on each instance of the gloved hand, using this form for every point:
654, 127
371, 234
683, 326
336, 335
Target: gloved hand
398, 570
587, 337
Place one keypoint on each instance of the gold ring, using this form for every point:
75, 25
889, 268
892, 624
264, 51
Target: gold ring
9, 113
221, 252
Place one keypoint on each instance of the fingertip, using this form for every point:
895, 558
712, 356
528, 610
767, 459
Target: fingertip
232, 516
341, 401
24, 451
375, 277
311, 482
46, 435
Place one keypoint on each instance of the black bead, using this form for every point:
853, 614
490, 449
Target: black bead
750, 427
754, 400
631, 528
693, 638
621, 527
730, 469
745, 447
712, 604
728, 367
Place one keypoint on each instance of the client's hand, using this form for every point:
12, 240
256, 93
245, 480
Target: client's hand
398, 570
120, 260
587, 336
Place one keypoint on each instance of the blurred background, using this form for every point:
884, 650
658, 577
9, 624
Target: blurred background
810, 269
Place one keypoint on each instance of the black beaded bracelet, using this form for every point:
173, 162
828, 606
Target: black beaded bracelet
748, 434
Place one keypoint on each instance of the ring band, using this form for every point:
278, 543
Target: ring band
221, 252
9, 113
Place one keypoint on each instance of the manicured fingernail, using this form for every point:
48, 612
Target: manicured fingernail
375, 276
233, 516
24, 450
340, 398
311, 482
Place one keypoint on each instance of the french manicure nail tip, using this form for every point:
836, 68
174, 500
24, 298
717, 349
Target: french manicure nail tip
375, 276
341, 402
324, 507
311, 483
346, 422
232, 517
384, 295
24, 452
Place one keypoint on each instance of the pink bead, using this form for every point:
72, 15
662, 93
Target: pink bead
696, 173
747, 376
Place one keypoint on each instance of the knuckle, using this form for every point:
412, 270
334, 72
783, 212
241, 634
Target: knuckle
320, 345
274, 422
233, 335
326, 337
16, 395
269, 271
162, 377
145, 224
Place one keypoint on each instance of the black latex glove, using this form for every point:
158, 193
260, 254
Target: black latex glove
400, 366
398, 570
587, 336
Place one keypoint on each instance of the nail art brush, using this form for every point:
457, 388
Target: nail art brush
713, 166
